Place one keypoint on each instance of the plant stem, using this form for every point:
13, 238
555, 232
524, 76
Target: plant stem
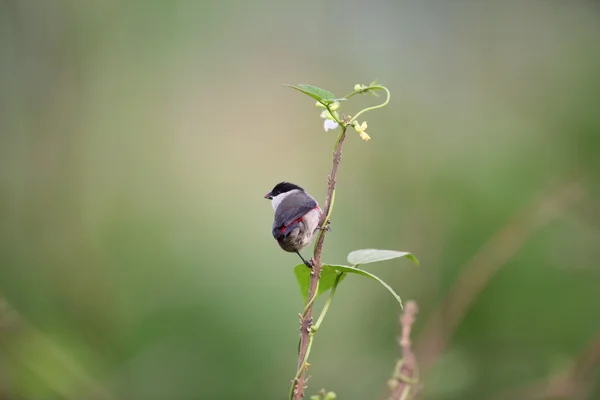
306, 328
406, 374
303, 367
325, 221
546, 207
331, 113
387, 100
314, 329
311, 301
327, 303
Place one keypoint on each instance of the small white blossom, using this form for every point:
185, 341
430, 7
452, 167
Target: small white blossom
330, 118
329, 124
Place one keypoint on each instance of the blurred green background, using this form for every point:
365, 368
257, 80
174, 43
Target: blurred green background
137, 139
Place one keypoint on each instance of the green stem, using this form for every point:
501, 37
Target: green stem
327, 302
325, 221
387, 100
311, 301
303, 366
353, 94
337, 141
331, 113
338, 278
314, 329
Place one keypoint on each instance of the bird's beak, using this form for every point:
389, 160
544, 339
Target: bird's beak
268, 196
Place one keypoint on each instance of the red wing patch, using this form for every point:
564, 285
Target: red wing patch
284, 228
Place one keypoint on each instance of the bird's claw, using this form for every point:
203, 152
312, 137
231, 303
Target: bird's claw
327, 227
308, 263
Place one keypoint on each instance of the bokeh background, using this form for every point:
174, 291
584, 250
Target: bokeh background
137, 139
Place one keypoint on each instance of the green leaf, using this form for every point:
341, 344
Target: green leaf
328, 276
367, 256
354, 270
316, 93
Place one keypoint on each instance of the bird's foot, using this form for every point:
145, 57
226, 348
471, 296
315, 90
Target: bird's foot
327, 227
309, 264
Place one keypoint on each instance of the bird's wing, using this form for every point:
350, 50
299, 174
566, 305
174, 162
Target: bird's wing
292, 208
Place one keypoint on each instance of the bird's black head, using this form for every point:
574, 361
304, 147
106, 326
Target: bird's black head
282, 187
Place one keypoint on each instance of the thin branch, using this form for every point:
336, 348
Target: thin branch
406, 377
478, 272
327, 302
575, 382
306, 319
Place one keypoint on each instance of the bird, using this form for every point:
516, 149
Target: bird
296, 218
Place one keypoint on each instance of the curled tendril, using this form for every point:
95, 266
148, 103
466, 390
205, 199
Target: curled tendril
385, 103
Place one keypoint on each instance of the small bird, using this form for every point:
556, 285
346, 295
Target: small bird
297, 216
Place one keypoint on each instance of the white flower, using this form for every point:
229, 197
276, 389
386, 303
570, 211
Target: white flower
329, 124
330, 118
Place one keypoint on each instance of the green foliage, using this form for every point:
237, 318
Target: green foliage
353, 270
330, 271
328, 276
366, 256
321, 95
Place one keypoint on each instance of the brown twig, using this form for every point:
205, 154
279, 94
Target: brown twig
576, 382
490, 258
405, 379
306, 317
